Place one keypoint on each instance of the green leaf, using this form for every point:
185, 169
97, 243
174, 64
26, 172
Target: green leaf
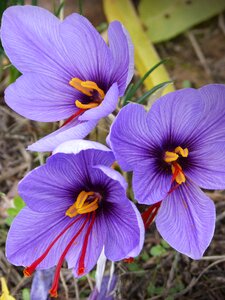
143, 98
144, 256
19, 203
132, 89
26, 294
12, 211
165, 19
165, 244
157, 250
58, 10
133, 266
151, 289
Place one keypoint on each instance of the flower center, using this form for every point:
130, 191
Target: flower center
171, 158
86, 202
90, 89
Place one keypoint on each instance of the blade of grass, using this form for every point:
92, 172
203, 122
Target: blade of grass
142, 99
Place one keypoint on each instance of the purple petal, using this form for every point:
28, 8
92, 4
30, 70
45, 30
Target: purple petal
30, 37
186, 220
150, 184
41, 98
123, 55
175, 117
72, 130
95, 245
125, 231
129, 137
212, 126
41, 284
31, 233
136, 251
100, 154
53, 186
107, 106
114, 175
207, 166
87, 51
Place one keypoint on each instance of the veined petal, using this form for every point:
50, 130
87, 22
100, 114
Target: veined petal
87, 51
72, 130
150, 184
53, 186
94, 248
98, 154
107, 106
31, 233
41, 98
31, 40
186, 220
124, 230
113, 174
207, 166
212, 126
122, 50
129, 137
174, 118
136, 251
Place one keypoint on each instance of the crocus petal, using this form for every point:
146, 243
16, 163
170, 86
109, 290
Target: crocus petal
123, 55
30, 37
31, 233
107, 106
186, 220
113, 174
207, 166
212, 127
100, 154
124, 235
150, 184
169, 117
136, 251
129, 137
94, 248
53, 185
87, 51
41, 98
72, 130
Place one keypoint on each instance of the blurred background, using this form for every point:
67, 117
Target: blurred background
190, 34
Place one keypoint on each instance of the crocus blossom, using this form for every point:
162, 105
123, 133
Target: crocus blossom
175, 148
68, 71
76, 205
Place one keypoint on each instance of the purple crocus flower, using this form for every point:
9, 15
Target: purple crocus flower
76, 205
69, 72
175, 148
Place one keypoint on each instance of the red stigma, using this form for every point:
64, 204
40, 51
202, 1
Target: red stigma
149, 215
129, 260
28, 271
76, 114
81, 267
55, 283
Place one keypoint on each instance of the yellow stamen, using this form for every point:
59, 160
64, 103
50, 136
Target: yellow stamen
170, 156
93, 86
181, 151
87, 88
86, 106
76, 83
80, 206
179, 175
